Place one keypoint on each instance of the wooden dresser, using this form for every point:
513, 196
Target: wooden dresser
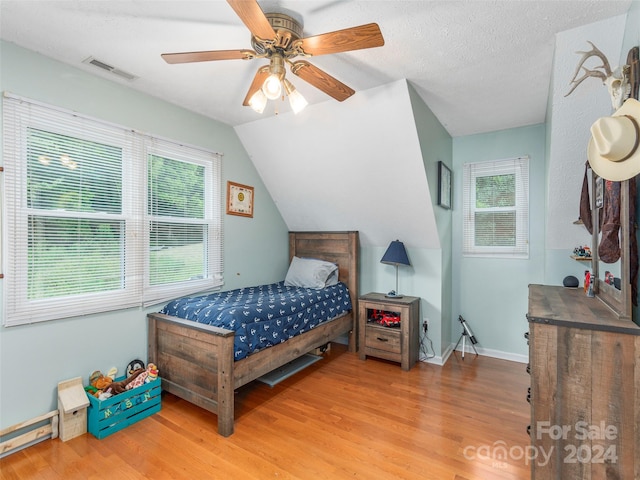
585, 387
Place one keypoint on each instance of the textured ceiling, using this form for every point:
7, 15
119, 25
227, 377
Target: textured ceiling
479, 65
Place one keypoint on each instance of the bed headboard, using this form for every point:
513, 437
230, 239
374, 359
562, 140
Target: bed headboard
337, 247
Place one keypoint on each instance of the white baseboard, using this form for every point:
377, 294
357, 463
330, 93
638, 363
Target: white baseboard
487, 352
438, 359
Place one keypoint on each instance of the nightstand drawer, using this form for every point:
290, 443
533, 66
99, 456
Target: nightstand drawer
399, 343
381, 338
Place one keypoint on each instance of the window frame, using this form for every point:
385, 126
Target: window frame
212, 210
519, 167
20, 115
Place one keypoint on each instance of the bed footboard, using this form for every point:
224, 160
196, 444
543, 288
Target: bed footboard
196, 361
196, 364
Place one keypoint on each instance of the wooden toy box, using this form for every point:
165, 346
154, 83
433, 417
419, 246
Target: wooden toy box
108, 416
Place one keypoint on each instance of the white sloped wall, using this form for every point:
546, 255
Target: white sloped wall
355, 165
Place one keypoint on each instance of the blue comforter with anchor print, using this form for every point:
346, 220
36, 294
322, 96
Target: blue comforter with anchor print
264, 315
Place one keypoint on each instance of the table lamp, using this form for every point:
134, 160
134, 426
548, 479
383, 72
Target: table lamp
395, 255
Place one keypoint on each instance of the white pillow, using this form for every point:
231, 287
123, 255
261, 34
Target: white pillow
311, 273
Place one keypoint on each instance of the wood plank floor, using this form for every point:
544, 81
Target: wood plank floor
340, 418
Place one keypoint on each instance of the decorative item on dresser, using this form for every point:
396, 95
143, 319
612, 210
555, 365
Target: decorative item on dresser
197, 360
398, 343
585, 387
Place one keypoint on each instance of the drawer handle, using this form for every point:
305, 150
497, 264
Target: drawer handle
382, 339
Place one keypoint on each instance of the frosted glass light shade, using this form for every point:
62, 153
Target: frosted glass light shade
272, 88
296, 100
258, 101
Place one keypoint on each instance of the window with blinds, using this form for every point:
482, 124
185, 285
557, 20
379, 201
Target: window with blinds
101, 218
184, 226
496, 208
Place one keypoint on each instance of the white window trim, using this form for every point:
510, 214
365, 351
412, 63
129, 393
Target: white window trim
17, 309
518, 166
213, 210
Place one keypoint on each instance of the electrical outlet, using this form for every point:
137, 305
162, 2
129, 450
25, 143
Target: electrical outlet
425, 324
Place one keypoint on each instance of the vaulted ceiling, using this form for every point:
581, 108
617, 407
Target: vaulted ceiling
479, 65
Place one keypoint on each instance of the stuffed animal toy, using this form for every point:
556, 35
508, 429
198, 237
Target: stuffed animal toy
133, 366
122, 385
99, 382
139, 380
152, 373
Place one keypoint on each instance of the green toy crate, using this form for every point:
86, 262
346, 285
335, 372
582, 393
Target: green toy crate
105, 417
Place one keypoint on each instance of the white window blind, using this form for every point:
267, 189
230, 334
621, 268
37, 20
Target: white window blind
184, 228
496, 208
77, 237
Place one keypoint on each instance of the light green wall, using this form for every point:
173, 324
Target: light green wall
436, 145
491, 294
421, 279
429, 276
34, 358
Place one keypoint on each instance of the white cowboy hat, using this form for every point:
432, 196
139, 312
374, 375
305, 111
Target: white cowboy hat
614, 147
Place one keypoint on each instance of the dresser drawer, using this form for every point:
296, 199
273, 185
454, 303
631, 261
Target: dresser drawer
380, 338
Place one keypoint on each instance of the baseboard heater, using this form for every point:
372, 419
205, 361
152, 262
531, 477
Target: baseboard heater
25, 434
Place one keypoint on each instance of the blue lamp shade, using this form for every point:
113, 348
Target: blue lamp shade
396, 254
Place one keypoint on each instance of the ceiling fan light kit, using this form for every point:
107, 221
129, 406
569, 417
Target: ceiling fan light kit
296, 100
272, 87
258, 101
278, 37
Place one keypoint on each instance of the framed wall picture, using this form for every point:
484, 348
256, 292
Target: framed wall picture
239, 199
444, 185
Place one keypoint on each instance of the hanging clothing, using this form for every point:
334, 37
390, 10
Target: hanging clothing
585, 203
609, 225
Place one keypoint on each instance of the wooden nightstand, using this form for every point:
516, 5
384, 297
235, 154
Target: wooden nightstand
398, 344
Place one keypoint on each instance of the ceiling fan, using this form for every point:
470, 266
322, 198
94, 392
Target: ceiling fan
278, 38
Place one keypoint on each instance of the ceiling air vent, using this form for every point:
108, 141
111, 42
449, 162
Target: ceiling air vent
109, 68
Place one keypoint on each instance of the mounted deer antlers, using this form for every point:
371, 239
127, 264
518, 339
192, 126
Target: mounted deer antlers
590, 73
616, 80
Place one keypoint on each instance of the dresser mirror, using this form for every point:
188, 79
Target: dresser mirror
615, 294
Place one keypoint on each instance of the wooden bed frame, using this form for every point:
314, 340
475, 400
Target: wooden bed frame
196, 361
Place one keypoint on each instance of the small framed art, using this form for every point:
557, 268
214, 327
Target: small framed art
239, 199
444, 185
599, 192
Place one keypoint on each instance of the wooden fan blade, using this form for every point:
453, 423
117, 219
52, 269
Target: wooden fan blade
258, 80
188, 57
253, 17
321, 80
355, 38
